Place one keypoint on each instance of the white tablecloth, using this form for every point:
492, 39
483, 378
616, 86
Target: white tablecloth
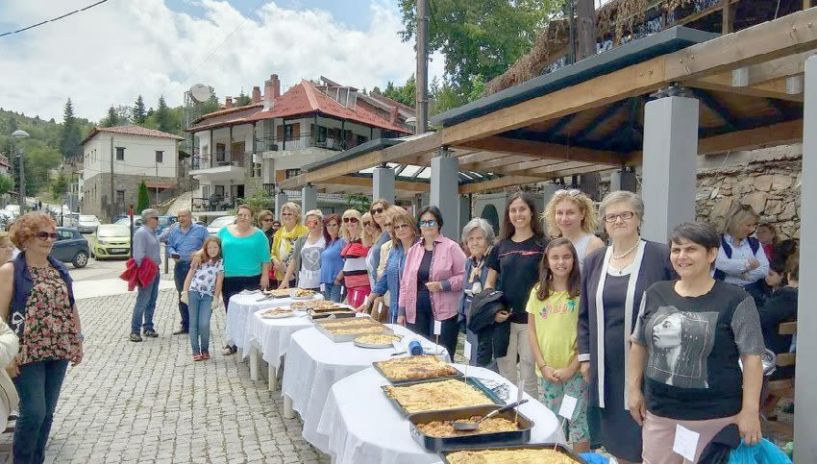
363, 426
240, 307
314, 363
273, 335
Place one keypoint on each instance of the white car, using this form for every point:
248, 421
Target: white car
87, 223
218, 223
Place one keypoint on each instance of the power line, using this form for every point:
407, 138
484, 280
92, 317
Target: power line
53, 19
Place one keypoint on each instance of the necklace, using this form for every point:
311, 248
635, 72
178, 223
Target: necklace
626, 253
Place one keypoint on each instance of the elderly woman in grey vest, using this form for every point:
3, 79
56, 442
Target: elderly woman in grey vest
613, 281
478, 237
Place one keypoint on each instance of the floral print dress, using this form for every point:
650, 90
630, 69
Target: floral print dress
49, 332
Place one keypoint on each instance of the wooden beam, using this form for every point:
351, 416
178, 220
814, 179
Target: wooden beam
777, 68
545, 150
769, 89
776, 134
493, 184
354, 181
499, 160
728, 22
559, 167
794, 33
716, 107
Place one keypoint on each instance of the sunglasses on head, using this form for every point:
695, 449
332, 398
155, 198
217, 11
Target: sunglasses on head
43, 235
347, 220
571, 192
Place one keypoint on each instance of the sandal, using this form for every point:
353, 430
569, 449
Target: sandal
205, 356
228, 350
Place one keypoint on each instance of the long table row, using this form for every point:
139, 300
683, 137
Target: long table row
337, 392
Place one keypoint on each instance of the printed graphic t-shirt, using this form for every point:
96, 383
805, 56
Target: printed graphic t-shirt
694, 345
518, 268
557, 319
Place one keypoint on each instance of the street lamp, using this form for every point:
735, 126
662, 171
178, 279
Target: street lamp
20, 134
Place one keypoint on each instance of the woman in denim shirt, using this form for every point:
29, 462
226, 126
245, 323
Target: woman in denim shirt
478, 236
405, 235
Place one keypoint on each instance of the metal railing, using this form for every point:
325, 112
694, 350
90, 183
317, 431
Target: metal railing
213, 203
204, 162
305, 141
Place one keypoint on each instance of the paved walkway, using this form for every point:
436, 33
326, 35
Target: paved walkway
150, 403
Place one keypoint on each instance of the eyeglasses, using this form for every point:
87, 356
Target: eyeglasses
397, 227
43, 235
376, 211
347, 220
625, 216
266, 220
429, 223
287, 214
571, 192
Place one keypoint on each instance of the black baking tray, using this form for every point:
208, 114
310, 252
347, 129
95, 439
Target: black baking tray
457, 375
558, 447
471, 381
477, 440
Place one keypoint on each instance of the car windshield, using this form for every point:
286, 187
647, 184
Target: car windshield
113, 230
85, 218
164, 220
125, 221
222, 221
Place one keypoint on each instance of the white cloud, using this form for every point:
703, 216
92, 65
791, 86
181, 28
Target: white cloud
112, 53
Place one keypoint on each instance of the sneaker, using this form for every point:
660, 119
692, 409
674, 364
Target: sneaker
205, 355
181, 330
151, 333
228, 350
135, 337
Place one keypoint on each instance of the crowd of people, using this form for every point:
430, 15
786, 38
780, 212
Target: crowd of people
645, 335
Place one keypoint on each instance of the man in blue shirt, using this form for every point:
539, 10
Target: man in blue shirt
183, 239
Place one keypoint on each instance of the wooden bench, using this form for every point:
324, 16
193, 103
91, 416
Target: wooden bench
780, 389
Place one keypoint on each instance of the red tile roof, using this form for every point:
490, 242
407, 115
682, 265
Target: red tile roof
225, 111
304, 98
132, 129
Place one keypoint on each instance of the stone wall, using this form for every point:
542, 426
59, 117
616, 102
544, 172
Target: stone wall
770, 184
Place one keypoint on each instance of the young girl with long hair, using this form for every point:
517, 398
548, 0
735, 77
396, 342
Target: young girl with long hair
202, 287
553, 316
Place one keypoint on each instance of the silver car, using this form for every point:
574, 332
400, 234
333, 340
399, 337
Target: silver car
87, 223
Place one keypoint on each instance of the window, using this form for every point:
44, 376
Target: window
159, 155
361, 139
120, 153
64, 234
321, 135
221, 151
288, 132
292, 173
120, 197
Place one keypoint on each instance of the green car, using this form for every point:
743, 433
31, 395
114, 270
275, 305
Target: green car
110, 241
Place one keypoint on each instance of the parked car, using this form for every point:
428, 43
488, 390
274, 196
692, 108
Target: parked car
111, 241
164, 222
71, 247
87, 223
218, 223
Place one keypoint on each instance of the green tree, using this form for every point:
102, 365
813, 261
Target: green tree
446, 95
405, 94
59, 185
139, 112
143, 198
243, 99
112, 119
163, 118
479, 38
6, 184
359, 202
70, 133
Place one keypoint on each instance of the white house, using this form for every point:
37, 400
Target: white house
130, 154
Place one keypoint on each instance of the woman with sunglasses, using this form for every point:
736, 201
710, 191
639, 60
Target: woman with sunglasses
305, 265
371, 233
613, 282
284, 240
431, 286
331, 261
741, 258
354, 275
265, 220
37, 297
379, 212
572, 215
404, 231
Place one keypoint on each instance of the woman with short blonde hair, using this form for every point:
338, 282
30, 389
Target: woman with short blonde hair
741, 258
305, 266
572, 215
284, 240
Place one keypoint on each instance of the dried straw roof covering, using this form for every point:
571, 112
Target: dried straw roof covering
617, 18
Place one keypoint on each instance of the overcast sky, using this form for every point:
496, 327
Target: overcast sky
120, 49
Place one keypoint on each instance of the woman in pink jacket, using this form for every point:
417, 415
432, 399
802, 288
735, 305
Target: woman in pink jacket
431, 286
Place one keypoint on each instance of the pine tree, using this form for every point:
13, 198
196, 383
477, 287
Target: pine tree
112, 119
139, 111
163, 118
143, 199
243, 99
70, 135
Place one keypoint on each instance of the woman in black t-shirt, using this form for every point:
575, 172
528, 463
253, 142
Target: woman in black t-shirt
513, 268
690, 335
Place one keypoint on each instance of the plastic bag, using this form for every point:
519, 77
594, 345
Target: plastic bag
764, 452
593, 458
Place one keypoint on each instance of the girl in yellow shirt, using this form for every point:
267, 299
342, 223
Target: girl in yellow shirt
553, 315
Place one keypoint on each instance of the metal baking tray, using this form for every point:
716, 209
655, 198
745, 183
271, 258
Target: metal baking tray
457, 375
375, 346
339, 314
475, 440
473, 382
341, 338
554, 446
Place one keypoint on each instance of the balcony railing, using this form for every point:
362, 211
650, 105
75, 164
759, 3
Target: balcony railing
306, 141
213, 203
204, 162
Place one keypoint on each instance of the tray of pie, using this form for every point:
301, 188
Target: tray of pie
339, 313
376, 341
277, 293
348, 332
544, 453
317, 305
434, 430
279, 312
414, 369
439, 395
302, 294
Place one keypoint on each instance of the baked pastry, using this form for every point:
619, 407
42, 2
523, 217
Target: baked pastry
415, 368
278, 292
303, 293
444, 429
510, 456
317, 305
436, 396
277, 312
377, 339
364, 329
348, 322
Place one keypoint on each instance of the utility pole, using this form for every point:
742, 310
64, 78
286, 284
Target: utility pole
22, 184
421, 79
111, 211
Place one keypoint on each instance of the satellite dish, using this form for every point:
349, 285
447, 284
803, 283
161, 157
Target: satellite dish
200, 92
